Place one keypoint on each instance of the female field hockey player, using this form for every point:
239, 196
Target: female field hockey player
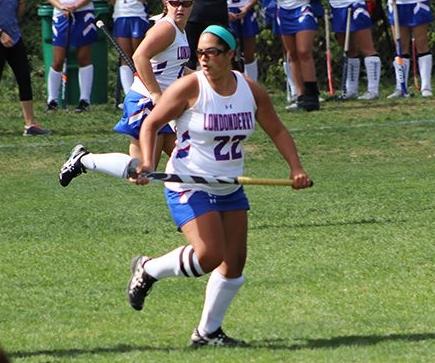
414, 19
361, 43
130, 23
73, 26
159, 60
298, 26
244, 24
215, 111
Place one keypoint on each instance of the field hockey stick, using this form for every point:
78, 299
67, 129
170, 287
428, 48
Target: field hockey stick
414, 65
206, 179
118, 84
64, 78
399, 60
331, 90
122, 54
345, 54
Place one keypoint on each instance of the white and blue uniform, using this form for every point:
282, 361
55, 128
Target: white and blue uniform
411, 12
83, 30
210, 137
295, 16
360, 19
130, 19
167, 67
246, 27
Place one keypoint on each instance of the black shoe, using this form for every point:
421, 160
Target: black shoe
73, 166
35, 130
83, 106
140, 283
51, 106
311, 103
217, 338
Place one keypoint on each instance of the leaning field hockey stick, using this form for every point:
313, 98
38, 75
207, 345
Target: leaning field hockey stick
345, 54
414, 65
399, 60
331, 90
118, 85
64, 84
122, 54
206, 179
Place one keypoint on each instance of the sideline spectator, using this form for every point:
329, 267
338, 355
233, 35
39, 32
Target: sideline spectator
204, 13
414, 20
361, 42
129, 28
12, 50
298, 26
73, 26
244, 25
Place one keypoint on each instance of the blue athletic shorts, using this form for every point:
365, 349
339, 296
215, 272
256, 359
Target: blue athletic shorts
130, 27
270, 16
136, 108
188, 205
412, 15
296, 20
247, 27
360, 18
83, 30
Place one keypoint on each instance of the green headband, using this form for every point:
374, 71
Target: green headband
223, 34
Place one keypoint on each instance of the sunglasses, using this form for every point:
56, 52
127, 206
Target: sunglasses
214, 52
184, 4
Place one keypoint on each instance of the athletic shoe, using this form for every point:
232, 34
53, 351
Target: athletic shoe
426, 93
292, 106
35, 130
73, 166
368, 96
218, 338
140, 283
396, 94
51, 106
83, 106
310, 103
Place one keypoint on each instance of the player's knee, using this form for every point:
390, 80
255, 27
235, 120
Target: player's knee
209, 260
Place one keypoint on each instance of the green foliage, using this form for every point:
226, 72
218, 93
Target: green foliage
342, 272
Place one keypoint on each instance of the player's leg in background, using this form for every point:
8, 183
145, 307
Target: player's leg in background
424, 58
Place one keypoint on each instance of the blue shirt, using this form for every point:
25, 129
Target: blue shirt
9, 19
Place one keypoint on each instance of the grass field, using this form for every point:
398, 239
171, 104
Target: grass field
343, 272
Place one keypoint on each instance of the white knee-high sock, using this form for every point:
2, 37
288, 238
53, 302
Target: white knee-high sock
114, 164
182, 261
86, 76
352, 78
373, 70
406, 63
126, 76
290, 84
425, 68
251, 70
54, 80
219, 294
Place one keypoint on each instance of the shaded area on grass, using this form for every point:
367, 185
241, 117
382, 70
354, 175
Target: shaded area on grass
273, 344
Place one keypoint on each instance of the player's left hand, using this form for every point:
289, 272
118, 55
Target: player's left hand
300, 179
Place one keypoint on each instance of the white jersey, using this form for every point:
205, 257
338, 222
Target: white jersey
169, 64
210, 136
57, 12
237, 3
129, 8
292, 4
344, 3
405, 2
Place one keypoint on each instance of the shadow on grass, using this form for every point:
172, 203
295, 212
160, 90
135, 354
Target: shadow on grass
337, 342
272, 344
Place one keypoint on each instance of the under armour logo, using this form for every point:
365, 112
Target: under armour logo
230, 106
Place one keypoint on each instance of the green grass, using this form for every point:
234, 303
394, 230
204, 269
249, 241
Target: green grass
343, 272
